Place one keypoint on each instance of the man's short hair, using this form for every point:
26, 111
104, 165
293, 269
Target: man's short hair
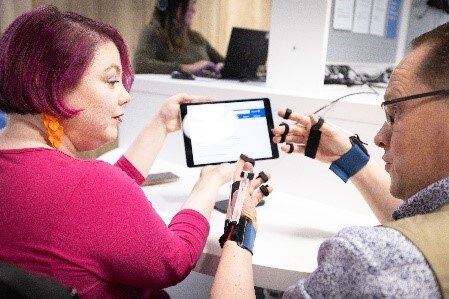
44, 53
434, 70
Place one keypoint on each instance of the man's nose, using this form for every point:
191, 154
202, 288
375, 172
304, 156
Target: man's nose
382, 138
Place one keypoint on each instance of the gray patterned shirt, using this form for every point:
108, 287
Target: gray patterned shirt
376, 262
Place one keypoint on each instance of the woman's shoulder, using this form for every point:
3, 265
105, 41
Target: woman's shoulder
88, 169
98, 170
109, 184
54, 166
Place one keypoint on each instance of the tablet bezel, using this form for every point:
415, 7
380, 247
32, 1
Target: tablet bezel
269, 118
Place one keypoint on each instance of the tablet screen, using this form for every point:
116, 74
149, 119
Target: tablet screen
217, 132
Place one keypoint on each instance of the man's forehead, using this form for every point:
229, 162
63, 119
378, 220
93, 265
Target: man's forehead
404, 79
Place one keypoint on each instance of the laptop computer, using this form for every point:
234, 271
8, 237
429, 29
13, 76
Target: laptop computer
247, 50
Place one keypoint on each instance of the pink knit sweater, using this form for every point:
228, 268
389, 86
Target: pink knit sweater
89, 225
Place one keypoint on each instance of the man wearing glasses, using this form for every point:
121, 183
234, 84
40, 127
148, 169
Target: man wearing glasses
408, 256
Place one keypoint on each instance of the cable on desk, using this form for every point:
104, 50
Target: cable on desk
333, 102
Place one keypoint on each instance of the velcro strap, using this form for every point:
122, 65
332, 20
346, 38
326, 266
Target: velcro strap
284, 135
314, 139
263, 176
291, 149
287, 114
249, 237
247, 159
350, 163
264, 190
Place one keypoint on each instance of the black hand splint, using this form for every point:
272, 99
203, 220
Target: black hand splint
291, 149
314, 139
242, 232
284, 135
287, 114
264, 190
263, 176
248, 159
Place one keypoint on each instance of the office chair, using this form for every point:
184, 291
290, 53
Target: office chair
19, 284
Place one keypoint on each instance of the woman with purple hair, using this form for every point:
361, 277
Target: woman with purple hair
64, 82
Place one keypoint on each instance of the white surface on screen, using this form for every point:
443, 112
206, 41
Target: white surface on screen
210, 135
209, 124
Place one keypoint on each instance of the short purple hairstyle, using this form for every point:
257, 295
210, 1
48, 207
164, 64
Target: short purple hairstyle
44, 53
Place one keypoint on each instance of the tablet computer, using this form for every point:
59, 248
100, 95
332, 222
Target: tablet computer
218, 132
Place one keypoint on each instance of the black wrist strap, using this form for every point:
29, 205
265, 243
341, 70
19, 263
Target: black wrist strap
314, 139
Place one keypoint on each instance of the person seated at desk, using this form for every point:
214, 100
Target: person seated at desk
407, 256
87, 224
168, 43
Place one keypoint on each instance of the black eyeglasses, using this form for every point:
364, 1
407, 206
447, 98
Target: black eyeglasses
390, 115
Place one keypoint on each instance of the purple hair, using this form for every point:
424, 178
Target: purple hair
44, 53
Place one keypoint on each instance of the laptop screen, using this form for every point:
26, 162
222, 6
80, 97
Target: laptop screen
247, 50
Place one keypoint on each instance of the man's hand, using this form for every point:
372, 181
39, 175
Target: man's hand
333, 143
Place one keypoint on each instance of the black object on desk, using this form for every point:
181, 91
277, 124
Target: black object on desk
182, 75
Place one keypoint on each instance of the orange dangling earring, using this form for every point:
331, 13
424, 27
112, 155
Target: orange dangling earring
54, 128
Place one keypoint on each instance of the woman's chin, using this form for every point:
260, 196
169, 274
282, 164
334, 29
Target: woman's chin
96, 144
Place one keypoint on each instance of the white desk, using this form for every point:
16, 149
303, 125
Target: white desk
291, 228
359, 114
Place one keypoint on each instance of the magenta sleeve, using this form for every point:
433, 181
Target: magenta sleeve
130, 170
121, 237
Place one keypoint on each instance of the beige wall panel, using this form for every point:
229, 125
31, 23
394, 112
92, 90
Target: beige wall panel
207, 22
127, 16
87, 8
11, 9
215, 19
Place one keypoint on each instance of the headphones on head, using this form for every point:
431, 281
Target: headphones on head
162, 5
440, 4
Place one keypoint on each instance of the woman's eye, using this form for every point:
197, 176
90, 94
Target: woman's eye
112, 83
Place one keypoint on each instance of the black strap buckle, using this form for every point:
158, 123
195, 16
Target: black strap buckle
355, 139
